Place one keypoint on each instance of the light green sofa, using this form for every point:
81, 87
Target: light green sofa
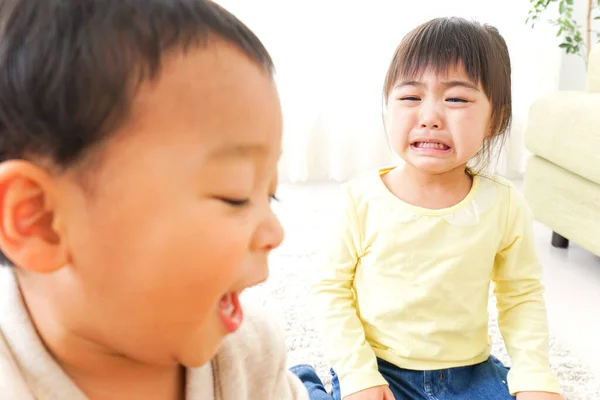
562, 178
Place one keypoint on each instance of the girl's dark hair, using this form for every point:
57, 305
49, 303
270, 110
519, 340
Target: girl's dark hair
443, 43
69, 69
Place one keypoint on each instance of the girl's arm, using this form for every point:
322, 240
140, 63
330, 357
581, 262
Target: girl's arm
522, 313
346, 347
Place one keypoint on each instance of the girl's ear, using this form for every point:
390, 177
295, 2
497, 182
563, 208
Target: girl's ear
28, 218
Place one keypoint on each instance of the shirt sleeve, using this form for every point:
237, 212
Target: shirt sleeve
346, 347
522, 314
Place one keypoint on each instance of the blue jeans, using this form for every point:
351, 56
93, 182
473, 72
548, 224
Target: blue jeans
481, 381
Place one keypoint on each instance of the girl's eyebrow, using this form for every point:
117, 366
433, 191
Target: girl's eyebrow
446, 84
460, 83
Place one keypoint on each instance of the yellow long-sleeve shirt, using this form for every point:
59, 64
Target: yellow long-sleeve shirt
410, 285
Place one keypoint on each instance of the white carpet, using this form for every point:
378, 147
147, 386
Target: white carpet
304, 212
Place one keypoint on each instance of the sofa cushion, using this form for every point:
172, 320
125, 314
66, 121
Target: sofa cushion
564, 128
566, 203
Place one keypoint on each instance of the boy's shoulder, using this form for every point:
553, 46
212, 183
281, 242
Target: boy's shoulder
13, 384
253, 360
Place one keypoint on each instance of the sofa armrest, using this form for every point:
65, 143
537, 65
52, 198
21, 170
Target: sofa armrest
564, 128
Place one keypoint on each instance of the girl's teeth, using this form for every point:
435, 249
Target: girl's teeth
431, 145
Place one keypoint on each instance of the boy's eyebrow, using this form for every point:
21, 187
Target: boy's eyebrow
240, 150
447, 84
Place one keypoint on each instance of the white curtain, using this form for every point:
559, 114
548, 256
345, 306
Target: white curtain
331, 57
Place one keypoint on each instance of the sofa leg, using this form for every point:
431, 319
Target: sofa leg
559, 241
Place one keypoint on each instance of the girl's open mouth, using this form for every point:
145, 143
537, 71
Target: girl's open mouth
430, 147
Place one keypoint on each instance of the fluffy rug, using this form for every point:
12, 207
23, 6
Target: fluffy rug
304, 212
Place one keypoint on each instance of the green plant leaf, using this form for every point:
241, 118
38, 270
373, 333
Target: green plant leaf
566, 25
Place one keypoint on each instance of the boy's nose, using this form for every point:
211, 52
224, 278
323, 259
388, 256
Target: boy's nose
269, 234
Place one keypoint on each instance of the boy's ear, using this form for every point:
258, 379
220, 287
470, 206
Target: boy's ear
27, 219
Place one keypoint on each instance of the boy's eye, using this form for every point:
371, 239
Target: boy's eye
410, 98
456, 100
244, 202
235, 202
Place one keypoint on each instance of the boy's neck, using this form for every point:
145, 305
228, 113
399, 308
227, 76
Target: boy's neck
97, 372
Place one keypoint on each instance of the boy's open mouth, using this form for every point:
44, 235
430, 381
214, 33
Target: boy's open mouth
230, 312
430, 146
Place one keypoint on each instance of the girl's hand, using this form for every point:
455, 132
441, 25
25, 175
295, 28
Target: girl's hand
374, 393
538, 396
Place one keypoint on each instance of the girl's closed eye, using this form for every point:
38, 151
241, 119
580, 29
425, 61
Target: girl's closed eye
410, 98
457, 100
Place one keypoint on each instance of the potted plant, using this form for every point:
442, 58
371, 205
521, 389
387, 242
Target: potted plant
575, 38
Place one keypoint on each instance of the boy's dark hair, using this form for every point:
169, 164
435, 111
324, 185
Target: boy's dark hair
69, 69
443, 43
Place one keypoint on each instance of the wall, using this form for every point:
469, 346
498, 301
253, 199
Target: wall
331, 58
572, 67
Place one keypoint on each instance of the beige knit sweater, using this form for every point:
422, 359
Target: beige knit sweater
249, 366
